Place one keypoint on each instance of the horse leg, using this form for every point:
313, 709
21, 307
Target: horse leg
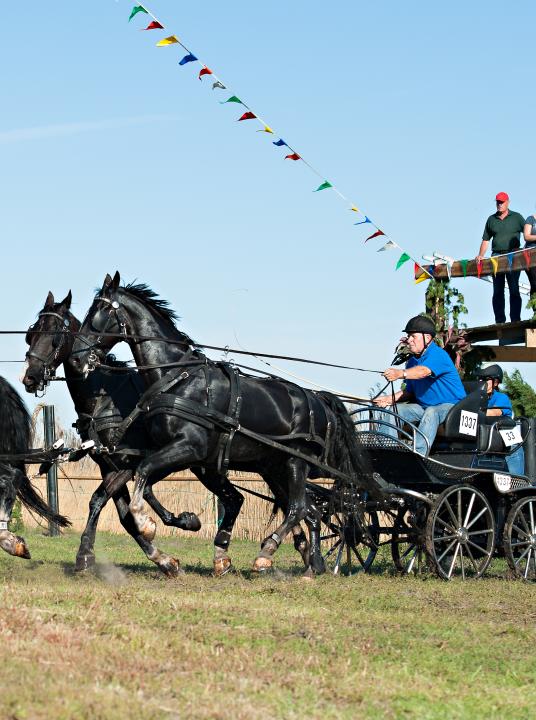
232, 500
316, 564
85, 557
183, 521
296, 511
176, 456
170, 566
301, 544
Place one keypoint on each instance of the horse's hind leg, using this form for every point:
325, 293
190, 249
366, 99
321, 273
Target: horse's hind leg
170, 566
296, 511
232, 500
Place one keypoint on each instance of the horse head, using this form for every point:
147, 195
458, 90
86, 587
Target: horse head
50, 339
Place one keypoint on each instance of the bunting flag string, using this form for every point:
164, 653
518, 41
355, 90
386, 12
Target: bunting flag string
294, 155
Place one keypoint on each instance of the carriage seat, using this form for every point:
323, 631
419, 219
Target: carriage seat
489, 437
476, 402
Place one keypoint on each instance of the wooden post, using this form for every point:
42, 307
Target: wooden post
52, 475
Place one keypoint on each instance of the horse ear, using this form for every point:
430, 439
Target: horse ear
107, 281
66, 302
116, 280
50, 300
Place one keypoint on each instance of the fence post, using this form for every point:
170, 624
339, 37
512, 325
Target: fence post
52, 475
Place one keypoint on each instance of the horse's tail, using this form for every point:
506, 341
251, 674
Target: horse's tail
347, 455
15, 421
31, 499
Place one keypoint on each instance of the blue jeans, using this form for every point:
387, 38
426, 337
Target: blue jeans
428, 420
516, 461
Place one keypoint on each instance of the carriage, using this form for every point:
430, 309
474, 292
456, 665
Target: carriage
450, 512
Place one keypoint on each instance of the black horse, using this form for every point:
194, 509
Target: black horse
101, 402
15, 433
208, 414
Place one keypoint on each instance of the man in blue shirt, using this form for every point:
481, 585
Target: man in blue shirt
432, 384
500, 404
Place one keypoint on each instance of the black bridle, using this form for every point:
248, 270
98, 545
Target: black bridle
118, 315
59, 337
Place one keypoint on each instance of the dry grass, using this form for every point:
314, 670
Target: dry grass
181, 492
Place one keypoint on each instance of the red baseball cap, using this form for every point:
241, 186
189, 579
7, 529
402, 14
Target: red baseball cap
502, 197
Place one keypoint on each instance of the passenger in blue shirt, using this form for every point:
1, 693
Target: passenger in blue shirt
500, 404
433, 385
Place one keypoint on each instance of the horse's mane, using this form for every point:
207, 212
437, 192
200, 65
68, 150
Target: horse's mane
15, 421
160, 307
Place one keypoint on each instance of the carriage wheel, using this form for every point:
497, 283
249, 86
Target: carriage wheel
407, 545
460, 533
351, 542
520, 538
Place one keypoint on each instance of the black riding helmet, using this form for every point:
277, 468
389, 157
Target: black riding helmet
492, 372
421, 324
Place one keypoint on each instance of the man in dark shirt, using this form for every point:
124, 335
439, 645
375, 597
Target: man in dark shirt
504, 228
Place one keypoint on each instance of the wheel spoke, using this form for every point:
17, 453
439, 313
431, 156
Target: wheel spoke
524, 521
358, 556
449, 527
445, 537
338, 560
531, 511
520, 558
471, 558
451, 513
478, 547
526, 574
520, 544
520, 531
334, 547
459, 494
461, 562
473, 521
453, 560
480, 532
446, 551
468, 513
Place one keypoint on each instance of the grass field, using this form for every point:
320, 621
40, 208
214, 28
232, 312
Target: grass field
125, 642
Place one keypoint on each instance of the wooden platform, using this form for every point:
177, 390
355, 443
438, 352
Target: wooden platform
517, 340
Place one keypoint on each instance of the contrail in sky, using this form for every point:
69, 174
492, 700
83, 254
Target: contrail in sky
74, 128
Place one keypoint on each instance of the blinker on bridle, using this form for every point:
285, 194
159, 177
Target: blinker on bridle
93, 359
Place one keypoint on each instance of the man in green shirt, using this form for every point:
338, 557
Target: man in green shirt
503, 228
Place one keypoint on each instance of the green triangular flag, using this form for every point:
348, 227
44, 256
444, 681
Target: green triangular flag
233, 98
463, 263
324, 186
136, 9
402, 259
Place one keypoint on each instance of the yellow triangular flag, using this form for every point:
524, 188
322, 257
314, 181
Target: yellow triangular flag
171, 40
422, 278
266, 129
494, 264
354, 208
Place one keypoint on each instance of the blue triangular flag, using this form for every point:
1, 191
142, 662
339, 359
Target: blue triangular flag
362, 222
188, 58
280, 143
510, 257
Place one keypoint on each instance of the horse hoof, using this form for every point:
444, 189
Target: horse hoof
189, 521
84, 562
308, 575
171, 567
262, 564
222, 566
21, 549
148, 531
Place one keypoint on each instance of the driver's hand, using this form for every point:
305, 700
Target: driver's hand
393, 374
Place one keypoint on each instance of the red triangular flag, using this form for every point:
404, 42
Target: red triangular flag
247, 116
376, 234
526, 253
155, 25
204, 71
479, 268
293, 156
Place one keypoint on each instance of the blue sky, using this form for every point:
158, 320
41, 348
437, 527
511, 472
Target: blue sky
114, 157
